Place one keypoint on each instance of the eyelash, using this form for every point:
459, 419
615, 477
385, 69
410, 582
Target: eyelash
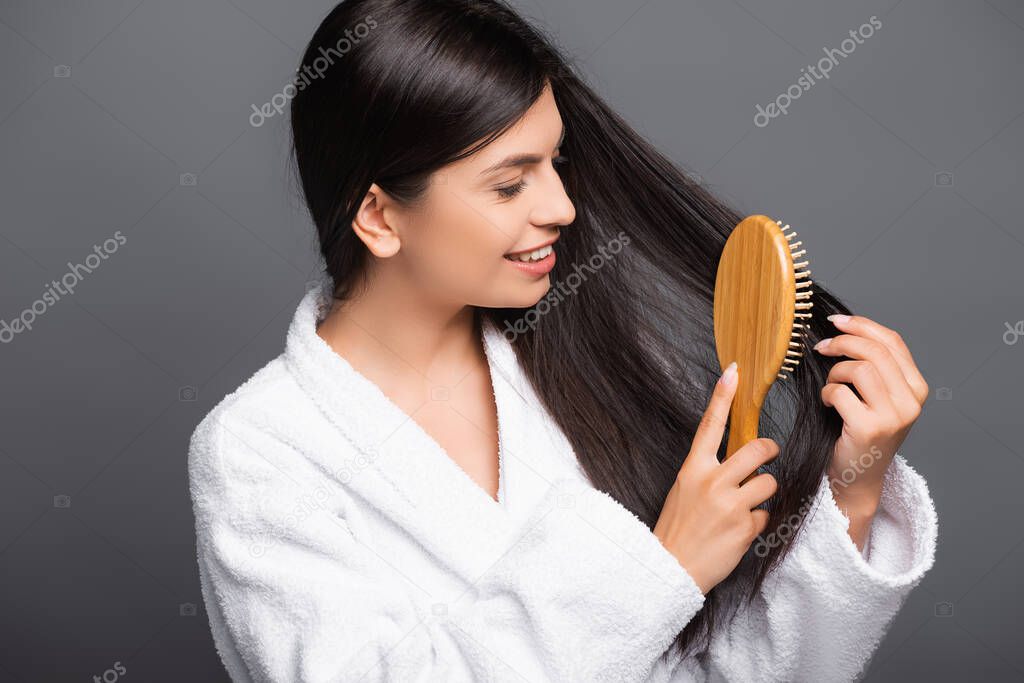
510, 191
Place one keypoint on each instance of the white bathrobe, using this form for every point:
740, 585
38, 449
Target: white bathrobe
337, 541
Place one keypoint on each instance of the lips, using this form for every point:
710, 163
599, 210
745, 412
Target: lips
534, 248
537, 265
531, 256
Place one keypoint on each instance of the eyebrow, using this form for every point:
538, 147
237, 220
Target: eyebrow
520, 159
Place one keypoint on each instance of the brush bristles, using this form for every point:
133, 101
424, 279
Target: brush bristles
801, 274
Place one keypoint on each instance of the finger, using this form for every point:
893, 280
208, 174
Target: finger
712, 425
759, 489
747, 459
878, 354
867, 327
863, 375
851, 409
760, 521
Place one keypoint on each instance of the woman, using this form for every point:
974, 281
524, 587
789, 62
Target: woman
487, 451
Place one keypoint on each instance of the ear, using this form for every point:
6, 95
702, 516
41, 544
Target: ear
371, 223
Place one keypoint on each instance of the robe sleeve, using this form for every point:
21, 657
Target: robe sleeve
824, 609
584, 592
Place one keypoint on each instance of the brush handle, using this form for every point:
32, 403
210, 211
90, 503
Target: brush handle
743, 421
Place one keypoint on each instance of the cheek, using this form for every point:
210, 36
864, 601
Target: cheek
462, 244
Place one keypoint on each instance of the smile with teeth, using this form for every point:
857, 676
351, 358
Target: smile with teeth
528, 256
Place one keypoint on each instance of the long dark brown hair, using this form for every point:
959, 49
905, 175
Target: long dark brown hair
392, 90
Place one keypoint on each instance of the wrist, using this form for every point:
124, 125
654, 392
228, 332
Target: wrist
859, 506
857, 500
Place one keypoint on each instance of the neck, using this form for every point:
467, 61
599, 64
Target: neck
398, 332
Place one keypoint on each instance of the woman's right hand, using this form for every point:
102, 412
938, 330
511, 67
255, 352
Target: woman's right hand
708, 521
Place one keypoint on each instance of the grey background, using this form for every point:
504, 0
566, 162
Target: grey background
99, 398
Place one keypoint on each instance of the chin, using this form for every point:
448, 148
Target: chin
522, 295
531, 293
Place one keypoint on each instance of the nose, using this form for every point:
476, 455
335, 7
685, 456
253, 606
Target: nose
554, 208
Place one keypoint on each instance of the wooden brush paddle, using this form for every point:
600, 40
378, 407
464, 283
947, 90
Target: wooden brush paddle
761, 297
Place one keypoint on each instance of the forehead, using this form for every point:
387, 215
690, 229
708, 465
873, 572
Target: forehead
534, 132
540, 120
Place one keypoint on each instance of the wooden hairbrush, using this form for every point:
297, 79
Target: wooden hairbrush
761, 306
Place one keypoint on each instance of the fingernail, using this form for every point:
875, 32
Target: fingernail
822, 344
729, 376
839, 318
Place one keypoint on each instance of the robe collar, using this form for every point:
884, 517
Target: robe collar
397, 467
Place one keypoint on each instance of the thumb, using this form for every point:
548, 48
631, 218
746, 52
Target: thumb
712, 425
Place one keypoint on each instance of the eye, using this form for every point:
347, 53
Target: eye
510, 191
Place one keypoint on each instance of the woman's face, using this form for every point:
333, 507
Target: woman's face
506, 198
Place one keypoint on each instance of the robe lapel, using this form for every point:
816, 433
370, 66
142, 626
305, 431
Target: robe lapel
534, 450
399, 469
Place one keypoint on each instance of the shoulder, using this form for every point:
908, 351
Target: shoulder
241, 449
251, 402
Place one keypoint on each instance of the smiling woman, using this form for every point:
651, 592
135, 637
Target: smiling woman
548, 507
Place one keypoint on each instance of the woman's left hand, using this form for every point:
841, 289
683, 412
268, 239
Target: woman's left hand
892, 393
